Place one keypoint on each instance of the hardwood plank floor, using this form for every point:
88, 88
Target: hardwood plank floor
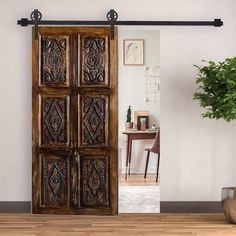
138, 180
125, 224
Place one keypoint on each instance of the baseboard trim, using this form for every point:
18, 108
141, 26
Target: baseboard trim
165, 207
15, 207
191, 207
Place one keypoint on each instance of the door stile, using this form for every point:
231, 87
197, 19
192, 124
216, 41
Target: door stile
75, 196
114, 122
35, 126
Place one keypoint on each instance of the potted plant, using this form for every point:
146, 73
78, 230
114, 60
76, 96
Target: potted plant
128, 123
216, 93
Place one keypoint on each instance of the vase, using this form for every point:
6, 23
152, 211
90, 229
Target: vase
228, 201
128, 125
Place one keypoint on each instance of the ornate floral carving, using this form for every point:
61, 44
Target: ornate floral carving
93, 121
94, 70
54, 60
94, 179
55, 181
54, 121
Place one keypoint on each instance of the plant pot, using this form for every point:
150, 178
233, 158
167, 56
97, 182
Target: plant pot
128, 125
228, 201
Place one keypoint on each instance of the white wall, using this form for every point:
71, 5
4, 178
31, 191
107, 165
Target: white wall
132, 92
198, 156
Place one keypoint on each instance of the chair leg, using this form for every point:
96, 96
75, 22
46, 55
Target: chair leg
130, 150
158, 162
147, 160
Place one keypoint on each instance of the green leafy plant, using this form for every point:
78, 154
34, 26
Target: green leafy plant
128, 116
216, 90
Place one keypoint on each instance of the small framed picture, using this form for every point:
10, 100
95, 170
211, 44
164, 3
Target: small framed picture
139, 113
133, 51
142, 122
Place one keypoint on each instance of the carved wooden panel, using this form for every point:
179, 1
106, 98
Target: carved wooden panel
94, 61
94, 182
94, 120
74, 121
55, 60
54, 120
55, 173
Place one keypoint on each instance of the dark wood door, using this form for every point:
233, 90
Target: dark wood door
75, 121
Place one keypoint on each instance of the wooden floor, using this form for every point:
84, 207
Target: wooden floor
138, 180
155, 225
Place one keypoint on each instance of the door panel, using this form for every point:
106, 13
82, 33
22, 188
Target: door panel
75, 123
94, 60
94, 181
55, 60
94, 120
55, 121
55, 177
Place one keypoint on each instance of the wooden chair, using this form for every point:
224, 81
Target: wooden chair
155, 149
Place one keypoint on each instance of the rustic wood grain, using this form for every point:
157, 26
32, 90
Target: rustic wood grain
114, 122
74, 113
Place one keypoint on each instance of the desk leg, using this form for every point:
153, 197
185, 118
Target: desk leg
130, 151
127, 156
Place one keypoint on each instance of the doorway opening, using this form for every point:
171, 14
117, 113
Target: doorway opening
139, 97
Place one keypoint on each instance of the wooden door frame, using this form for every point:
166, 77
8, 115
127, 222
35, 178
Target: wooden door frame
113, 210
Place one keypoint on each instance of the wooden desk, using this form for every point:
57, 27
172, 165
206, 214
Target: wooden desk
135, 135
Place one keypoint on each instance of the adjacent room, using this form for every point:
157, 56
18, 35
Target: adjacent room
139, 120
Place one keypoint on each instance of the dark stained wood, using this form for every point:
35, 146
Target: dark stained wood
55, 61
55, 120
75, 121
35, 127
94, 120
95, 181
75, 177
55, 180
94, 63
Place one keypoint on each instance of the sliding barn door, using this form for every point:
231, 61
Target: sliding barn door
75, 121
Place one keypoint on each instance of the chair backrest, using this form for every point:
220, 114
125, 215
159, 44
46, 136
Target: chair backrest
156, 146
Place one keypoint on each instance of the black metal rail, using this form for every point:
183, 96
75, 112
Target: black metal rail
112, 17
